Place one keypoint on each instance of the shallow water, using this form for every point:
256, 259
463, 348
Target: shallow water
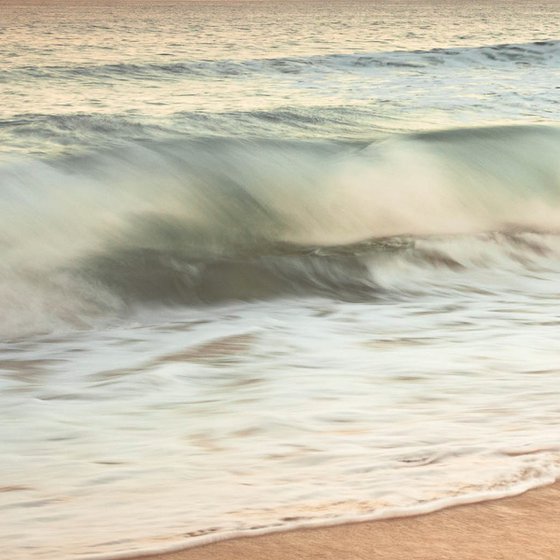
260, 271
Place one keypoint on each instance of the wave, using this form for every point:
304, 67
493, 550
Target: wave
538, 53
39, 133
207, 220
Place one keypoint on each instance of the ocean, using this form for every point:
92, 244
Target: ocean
268, 265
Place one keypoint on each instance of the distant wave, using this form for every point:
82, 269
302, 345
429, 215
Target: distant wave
194, 222
543, 53
77, 131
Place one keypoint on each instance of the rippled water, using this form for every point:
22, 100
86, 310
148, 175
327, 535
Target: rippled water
267, 266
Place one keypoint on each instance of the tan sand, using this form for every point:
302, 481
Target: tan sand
525, 527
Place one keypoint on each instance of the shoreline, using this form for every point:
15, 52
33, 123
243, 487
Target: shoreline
523, 526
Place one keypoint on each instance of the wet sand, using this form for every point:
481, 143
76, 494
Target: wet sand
525, 527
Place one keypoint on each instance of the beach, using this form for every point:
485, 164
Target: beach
268, 266
521, 527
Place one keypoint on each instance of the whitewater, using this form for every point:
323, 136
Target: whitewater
270, 266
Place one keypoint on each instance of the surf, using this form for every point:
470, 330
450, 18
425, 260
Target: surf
196, 221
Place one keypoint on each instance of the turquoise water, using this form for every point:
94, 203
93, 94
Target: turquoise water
272, 265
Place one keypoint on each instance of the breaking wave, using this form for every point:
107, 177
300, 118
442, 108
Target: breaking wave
195, 222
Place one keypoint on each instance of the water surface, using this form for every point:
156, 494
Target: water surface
272, 265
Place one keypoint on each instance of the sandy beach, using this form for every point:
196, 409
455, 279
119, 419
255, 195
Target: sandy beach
523, 527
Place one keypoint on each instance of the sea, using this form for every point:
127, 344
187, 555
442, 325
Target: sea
268, 265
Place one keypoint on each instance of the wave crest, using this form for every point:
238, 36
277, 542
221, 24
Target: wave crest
545, 53
204, 221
